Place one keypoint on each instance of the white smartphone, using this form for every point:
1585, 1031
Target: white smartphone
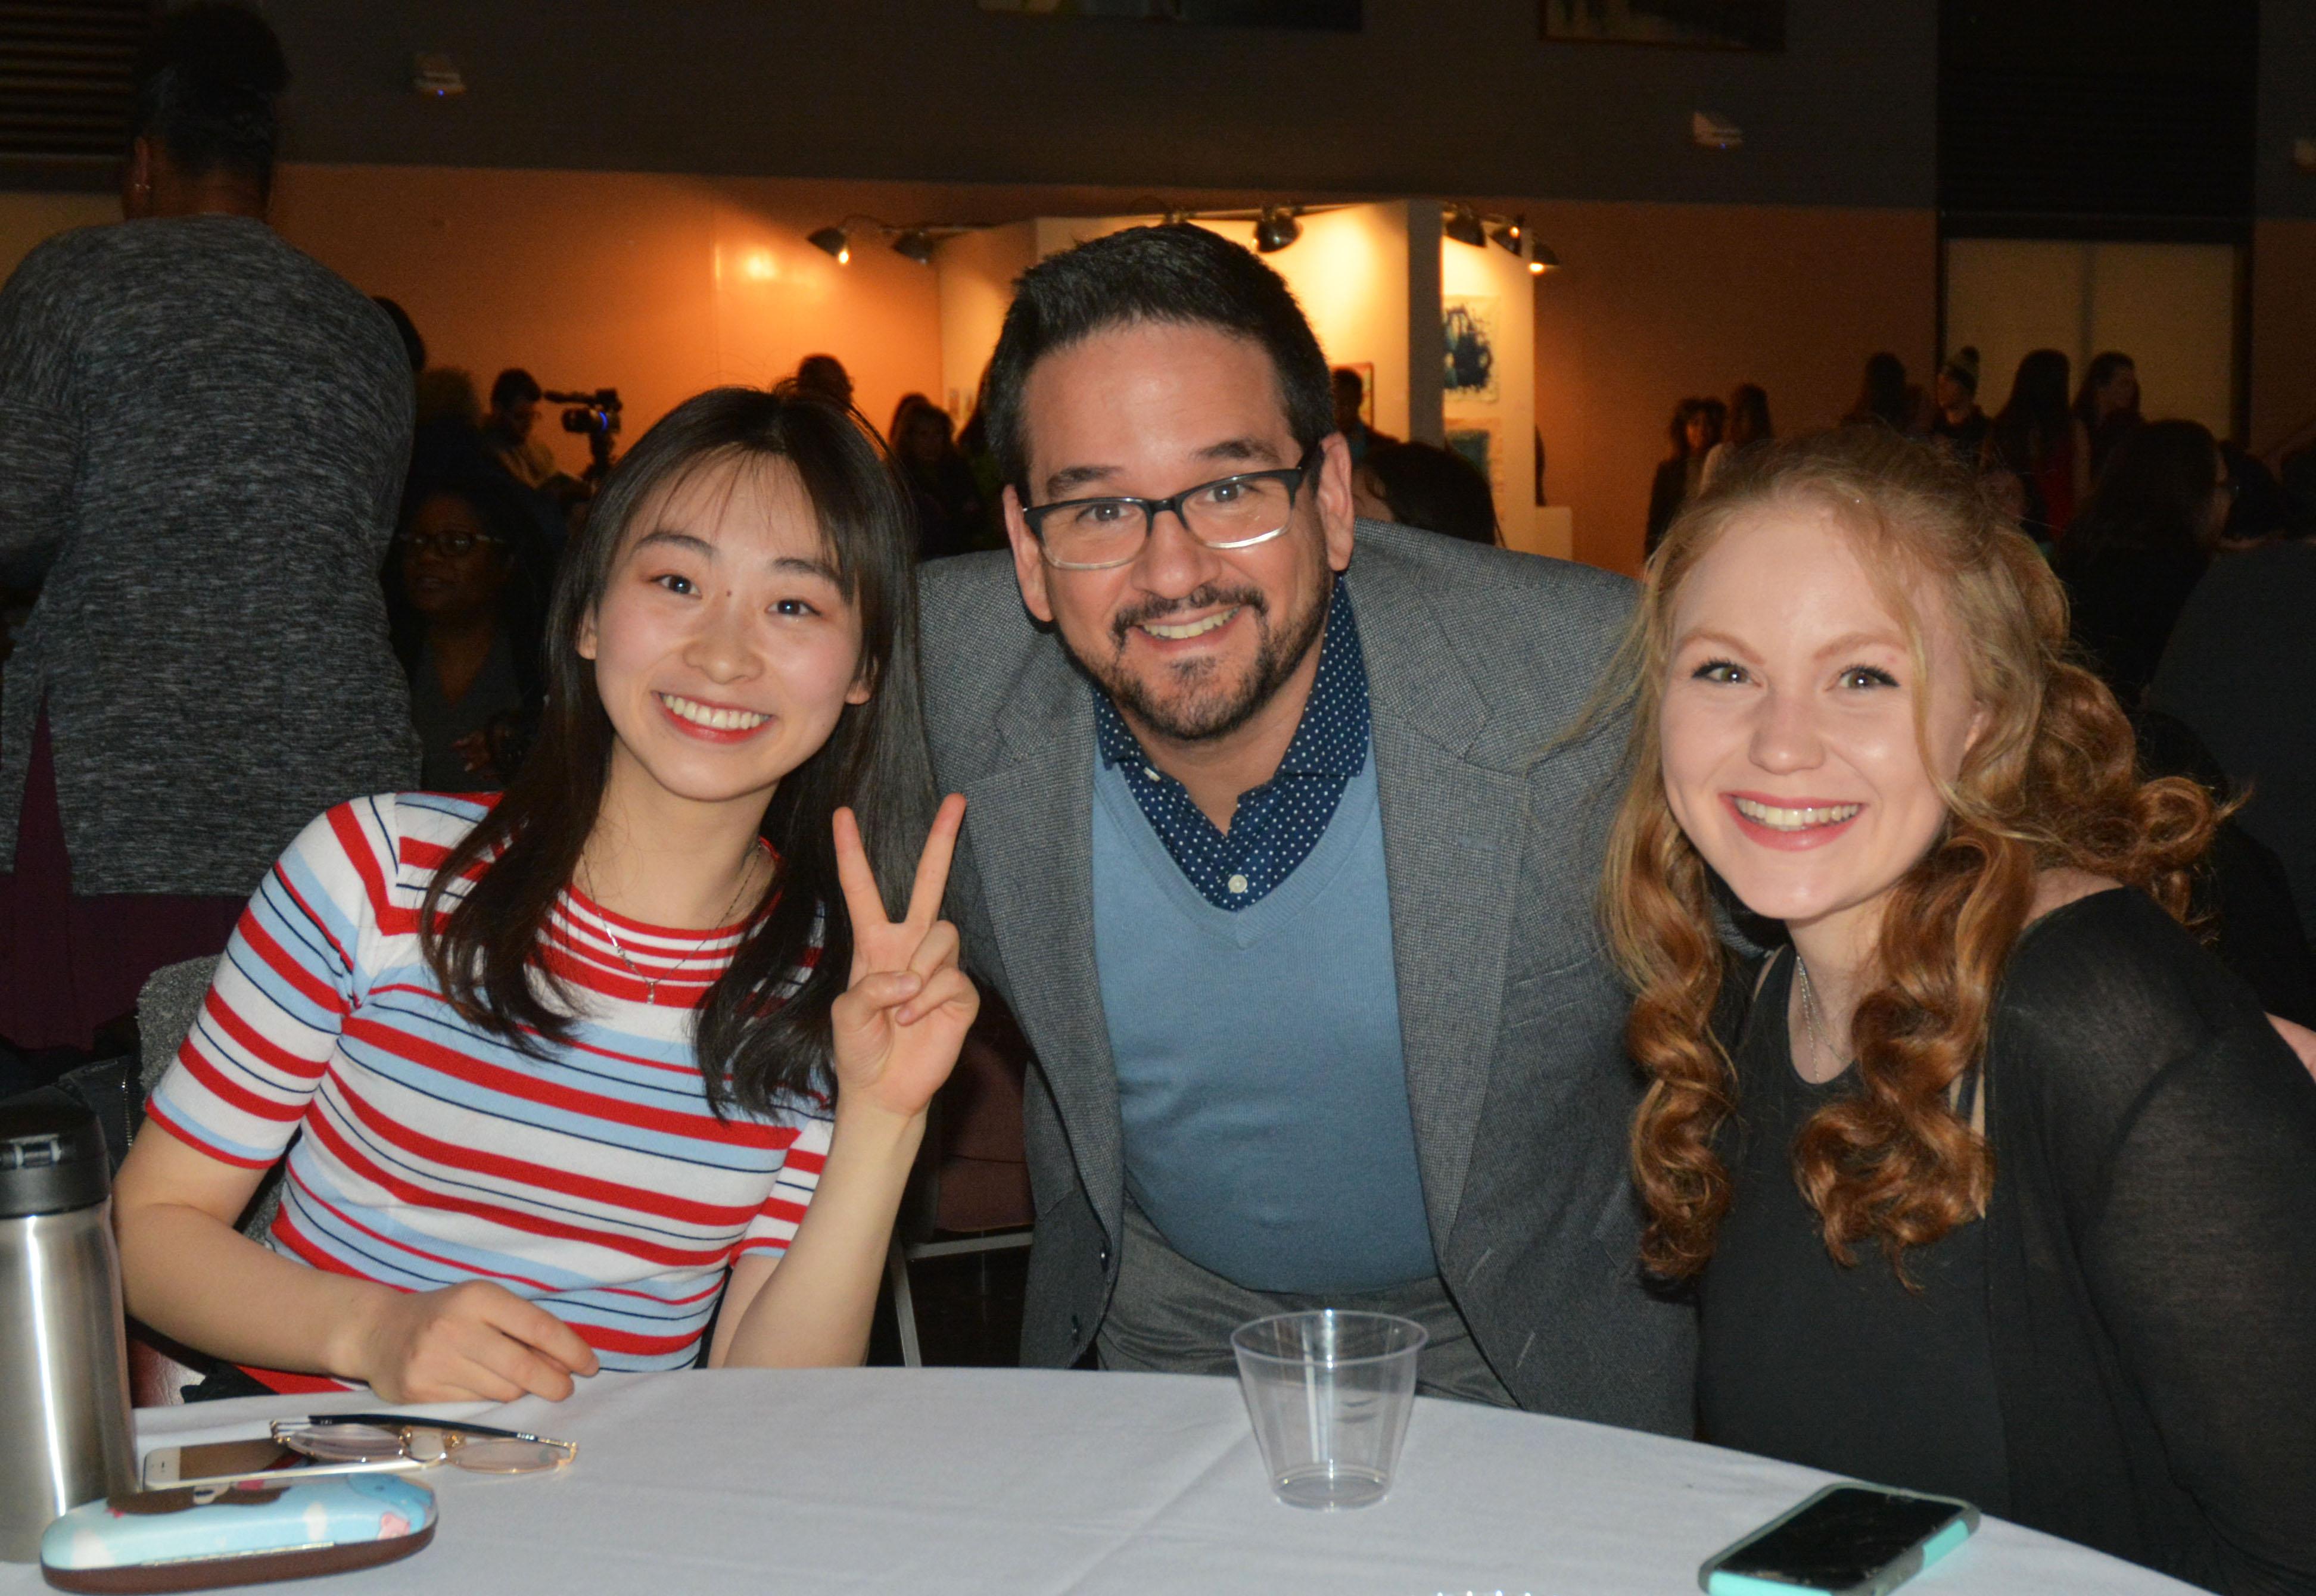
222, 1462
1846, 1540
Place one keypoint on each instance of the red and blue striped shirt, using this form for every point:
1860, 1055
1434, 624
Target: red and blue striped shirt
424, 1153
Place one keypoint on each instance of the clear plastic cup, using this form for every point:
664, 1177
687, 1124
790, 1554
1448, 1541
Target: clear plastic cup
1330, 1392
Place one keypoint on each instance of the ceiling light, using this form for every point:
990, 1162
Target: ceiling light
1541, 258
916, 244
1464, 227
1511, 236
835, 240
1276, 230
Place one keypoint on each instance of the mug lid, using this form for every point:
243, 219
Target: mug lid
52, 1157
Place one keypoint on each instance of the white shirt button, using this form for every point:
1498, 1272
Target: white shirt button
1151, 774
1238, 883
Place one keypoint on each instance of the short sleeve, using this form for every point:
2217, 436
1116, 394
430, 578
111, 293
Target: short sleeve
39, 434
775, 1224
290, 977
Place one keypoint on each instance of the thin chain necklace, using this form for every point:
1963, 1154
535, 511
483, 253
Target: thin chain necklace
1809, 1013
651, 983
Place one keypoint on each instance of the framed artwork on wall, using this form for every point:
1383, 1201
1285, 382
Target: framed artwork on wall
1340, 16
1469, 323
1480, 440
1698, 24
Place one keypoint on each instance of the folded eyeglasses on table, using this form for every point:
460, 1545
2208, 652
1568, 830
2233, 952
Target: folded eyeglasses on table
378, 1437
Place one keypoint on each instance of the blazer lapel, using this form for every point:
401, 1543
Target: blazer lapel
1452, 828
1030, 819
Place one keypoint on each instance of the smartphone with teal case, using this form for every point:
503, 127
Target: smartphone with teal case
197, 1536
1846, 1540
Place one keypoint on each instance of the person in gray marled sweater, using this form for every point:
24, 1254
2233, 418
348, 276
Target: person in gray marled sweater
202, 439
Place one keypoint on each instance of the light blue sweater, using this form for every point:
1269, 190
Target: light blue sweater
1260, 1076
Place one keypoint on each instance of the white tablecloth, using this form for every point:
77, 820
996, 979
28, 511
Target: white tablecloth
954, 1481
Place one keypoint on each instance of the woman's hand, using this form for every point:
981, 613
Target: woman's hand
475, 1341
898, 1027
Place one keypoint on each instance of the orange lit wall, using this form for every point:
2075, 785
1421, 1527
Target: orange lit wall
27, 218
1655, 302
2283, 334
657, 286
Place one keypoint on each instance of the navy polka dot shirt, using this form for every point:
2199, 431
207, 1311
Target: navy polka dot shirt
1276, 825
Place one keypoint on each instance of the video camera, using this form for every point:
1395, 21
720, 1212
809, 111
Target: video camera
595, 414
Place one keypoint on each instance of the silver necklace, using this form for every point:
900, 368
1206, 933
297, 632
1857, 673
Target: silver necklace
651, 983
1809, 1013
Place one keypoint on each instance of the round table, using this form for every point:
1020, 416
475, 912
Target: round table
955, 1480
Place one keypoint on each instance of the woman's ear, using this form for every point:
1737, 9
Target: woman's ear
586, 644
864, 686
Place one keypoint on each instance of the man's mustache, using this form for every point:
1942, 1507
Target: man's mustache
1209, 597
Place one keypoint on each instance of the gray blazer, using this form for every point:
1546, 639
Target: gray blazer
1512, 1016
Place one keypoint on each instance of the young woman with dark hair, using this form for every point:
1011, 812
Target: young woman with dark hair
949, 511
564, 1070
1749, 423
1694, 430
2107, 405
2140, 544
1885, 397
2001, 1187
2038, 439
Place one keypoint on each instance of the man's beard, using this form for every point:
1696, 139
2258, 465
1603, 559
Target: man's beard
1206, 707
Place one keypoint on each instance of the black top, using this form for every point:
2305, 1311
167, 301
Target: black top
1841, 1369
2239, 669
2150, 1252
2122, 604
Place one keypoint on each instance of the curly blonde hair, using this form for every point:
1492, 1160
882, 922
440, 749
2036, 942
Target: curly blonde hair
2051, 782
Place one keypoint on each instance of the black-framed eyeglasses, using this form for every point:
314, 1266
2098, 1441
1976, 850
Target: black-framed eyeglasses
1231, 512
453, 544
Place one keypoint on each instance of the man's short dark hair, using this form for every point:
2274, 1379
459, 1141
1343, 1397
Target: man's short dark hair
206, 80
514, 386
1178, 274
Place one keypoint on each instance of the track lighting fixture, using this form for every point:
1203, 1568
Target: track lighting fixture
916, 242
1275, 229
1464, 227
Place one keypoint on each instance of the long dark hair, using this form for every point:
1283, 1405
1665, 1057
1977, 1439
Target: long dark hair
2036, 420
1748, 417
1881, 395
2155, 493
761, 1036
2097, 376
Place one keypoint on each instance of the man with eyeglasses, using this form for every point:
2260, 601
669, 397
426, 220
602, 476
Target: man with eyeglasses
1280, 850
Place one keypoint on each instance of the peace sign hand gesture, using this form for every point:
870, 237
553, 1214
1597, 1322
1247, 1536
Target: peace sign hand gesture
898, 1026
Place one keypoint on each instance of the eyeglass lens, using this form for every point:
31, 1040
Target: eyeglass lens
453, 544
1223, 512
481, 1454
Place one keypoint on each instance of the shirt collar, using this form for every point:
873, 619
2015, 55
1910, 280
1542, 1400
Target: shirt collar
1331, 737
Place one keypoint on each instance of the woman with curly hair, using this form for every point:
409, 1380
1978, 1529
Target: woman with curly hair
1993, 1182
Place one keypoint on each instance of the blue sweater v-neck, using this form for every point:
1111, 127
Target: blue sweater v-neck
1262, 1085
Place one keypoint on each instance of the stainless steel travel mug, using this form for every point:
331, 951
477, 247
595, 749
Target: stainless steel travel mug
64, 1435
